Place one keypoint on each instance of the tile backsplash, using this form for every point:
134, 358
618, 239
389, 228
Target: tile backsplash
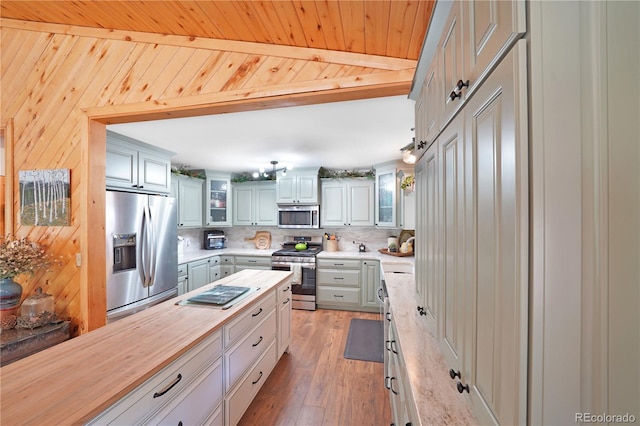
349, 238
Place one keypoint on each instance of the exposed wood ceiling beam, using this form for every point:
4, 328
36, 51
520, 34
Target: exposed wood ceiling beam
305, 53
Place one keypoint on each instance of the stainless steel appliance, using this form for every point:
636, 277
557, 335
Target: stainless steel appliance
298, 217
213, 240
303, 265
142, 252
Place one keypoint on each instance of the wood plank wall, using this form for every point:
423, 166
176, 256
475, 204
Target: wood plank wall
56, 79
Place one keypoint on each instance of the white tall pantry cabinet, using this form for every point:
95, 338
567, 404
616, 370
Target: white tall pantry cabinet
528, 201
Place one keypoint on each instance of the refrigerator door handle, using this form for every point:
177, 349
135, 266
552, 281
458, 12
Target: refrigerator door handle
145, 247
152, 249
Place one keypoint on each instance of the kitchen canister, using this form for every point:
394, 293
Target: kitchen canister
392, 244
331, 245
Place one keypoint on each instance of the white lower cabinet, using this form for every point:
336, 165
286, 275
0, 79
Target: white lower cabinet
397, 382
194, 406
196, 373
284, 297
239, 398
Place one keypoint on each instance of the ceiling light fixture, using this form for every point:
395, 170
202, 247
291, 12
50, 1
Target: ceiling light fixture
266, 174
407, 152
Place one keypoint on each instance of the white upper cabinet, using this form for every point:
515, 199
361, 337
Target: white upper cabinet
217, 199
188, 193
389, 197
347, 202
491, 28
452, 67
134, 166
298, 186
254, 204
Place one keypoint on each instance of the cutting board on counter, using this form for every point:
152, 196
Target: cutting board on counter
262, 240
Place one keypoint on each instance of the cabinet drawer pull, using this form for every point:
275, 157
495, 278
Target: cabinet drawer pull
252, 261
387, 345
386, 382
338, 278
453, 95
338, 264
286, 301
180, 423
454, 374
286, 289
391, 386
168, 388
462, 388
258, 342
388, 315
258, 379
338, 295
393, 348
257, 313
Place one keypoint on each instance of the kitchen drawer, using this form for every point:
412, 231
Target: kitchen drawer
214, 273
335, 277
259, 261
214, 260
198, 400
225, 271
245, 322
238, 359
284, 291
338, 296
182, 269
226, 260
170, 382
338, 263
239, 399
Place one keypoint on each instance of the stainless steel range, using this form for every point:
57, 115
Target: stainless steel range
303, 265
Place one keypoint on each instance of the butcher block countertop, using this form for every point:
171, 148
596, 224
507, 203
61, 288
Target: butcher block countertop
76, 380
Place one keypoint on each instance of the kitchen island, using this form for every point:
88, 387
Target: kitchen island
81, 378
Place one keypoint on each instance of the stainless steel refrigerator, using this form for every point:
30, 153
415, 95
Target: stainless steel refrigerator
142, 252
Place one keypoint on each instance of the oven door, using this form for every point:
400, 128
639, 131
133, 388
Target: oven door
304, 292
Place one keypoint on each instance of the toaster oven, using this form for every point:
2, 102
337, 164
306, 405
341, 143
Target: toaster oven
213, 240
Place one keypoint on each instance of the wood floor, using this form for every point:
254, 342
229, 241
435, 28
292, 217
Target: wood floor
315, 385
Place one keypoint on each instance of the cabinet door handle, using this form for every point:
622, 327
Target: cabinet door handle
286, 289
421, 310
454, 374
462, 388
391, 386
393, 347
462, 84
388, 315
286, 301
168, 388
257, 313
453, 95
258, 342
387, 345
386, 382
258, 379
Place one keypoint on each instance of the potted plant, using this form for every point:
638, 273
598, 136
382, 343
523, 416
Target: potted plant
17, 256
408, 183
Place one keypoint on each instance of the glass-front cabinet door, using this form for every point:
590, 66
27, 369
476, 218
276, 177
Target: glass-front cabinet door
218, 199
386, 193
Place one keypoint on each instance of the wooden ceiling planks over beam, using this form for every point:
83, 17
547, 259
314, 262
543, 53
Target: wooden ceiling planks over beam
393, 28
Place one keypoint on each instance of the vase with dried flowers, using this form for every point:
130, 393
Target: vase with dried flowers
17, 256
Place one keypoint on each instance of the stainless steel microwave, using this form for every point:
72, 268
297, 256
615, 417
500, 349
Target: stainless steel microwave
295, 216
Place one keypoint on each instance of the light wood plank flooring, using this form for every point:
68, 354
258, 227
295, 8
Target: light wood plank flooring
315, 385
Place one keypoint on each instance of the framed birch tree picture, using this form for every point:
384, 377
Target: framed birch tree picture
45, 197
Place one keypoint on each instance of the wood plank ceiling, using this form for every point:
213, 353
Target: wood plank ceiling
390, 28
